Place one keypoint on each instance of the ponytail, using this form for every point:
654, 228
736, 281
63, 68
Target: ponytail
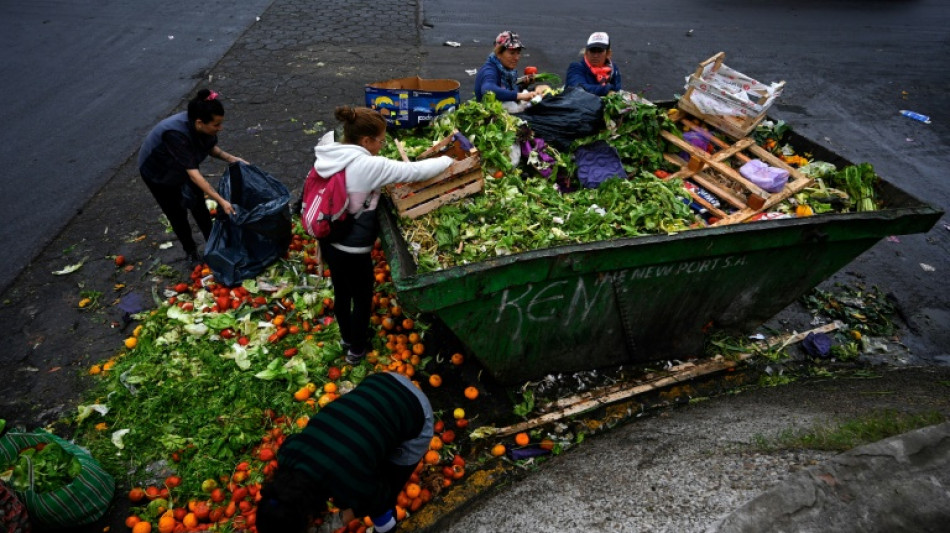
205, 106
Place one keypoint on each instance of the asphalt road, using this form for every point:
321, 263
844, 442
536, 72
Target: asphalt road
82, 82
849, 67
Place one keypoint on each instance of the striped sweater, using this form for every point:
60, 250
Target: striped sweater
344, 444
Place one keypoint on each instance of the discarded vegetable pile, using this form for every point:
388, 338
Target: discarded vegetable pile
212, 381
532, 198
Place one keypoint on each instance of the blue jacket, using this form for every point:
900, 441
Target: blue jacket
578, 74
489, 79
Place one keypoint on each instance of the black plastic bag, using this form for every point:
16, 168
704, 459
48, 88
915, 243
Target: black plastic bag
242, 245
561, 119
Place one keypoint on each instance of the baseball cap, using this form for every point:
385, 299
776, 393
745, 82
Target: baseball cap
509, 40
598, 39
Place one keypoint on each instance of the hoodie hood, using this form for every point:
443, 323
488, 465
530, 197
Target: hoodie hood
334, 157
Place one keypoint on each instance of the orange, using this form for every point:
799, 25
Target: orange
413, 490
431, 457
131, 342
457, 359
522, 439
414, 338
94, 370
142, 527
418, 348
302, 394
435, 380
190, 520
166, 524
131, 521
471, 393
407, 323
400, 513
547, 444
498, 450
435, 443
136, 495
330, 387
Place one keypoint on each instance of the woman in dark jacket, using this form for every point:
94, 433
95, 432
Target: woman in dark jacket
499, 74
169, 160
595, 73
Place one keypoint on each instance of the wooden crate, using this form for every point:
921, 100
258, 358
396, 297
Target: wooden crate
463, 178
707, 78
719, 173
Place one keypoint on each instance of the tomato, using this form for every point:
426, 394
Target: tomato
181, 287
448, 436
498, 175
530, 71
119, 260
333, 373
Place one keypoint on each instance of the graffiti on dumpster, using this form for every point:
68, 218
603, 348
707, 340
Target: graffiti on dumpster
546, 303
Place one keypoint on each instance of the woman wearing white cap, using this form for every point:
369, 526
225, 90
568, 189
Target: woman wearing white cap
595, 73
499, 74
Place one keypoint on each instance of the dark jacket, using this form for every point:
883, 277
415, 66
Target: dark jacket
345, 443
172, 148
579, 74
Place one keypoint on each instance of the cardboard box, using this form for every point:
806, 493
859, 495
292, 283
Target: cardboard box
411, 102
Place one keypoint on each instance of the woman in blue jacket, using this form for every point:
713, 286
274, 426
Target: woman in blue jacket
595, 73
499, 74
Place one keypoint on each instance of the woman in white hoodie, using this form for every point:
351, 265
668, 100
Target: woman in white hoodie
348, 254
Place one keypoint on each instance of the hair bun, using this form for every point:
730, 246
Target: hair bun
345, 114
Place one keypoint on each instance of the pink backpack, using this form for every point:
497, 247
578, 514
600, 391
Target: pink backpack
324, 203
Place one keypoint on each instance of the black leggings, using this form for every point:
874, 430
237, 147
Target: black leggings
352, 276
173, 204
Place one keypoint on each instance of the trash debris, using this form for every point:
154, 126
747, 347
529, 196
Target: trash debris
817, 344
166, 245
527, 453
132, 303
916, 116
893, 238
689, 33
69, 269
471, 71
453, 44
925, 266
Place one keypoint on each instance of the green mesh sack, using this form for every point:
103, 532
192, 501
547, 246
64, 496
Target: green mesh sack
82, 500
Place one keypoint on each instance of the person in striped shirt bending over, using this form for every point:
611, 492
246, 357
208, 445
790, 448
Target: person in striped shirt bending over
360, 450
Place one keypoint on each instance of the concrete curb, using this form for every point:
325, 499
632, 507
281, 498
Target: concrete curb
869, 488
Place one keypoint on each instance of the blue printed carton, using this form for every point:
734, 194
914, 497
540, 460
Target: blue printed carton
411, 102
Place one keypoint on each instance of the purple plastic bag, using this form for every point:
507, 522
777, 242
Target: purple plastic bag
768, 178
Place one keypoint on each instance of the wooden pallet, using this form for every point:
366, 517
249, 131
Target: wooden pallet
718, 172
463, 178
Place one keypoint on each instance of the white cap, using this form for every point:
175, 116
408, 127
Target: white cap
598, 39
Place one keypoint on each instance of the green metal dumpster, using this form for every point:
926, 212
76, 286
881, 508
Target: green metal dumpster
642, 299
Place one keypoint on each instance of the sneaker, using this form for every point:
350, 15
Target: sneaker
354, 358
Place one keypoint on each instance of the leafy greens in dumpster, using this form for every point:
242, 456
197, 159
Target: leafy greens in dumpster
526, 207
